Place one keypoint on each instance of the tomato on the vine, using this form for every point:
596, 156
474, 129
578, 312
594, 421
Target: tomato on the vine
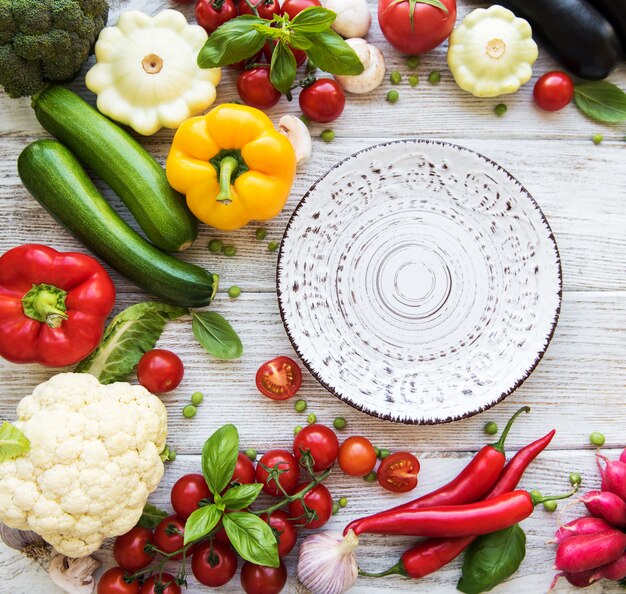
160, 371
293, 7
258, 579
398, 472
357, 456
416, 26
322, 444
288, 478
210, 14
163, 584
279, 379
553, 91
266, 8
284, 530
323, 101
113, 581
130, 551
168, 536
244, 470
319, 500
214, 563
255, 89
187, 493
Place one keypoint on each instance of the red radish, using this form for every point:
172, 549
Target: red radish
580, 580
584, 525
588, 551
613, 476
612, 571
607, 505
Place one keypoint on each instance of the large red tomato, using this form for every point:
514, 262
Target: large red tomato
413, 26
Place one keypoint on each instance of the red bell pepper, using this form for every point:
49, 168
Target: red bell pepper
53, 305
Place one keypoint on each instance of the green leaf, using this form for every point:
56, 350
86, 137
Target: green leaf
283, 68
232, 42
491, 559
130, 334
201, 522
314, 19
216, 335
331, 53
151, 516
269, 32
299, 41
219, 458
13, 443
252, 538
602, 101
241, 496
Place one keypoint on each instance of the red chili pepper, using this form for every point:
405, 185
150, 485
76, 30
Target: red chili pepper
53, 305
470, 485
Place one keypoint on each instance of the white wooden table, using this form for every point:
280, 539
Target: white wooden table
579, 387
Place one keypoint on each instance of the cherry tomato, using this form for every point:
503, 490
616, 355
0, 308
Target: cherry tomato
187, 493
287, 479
244, 470
321, 442
214, 563
284, 530
357, 456
168, 535
318, 499
430, 26
255, 89
210, 14
293, 7
553, 91
129, 549
266, 8
160, 371
398, 472
258, 579
279, 379
112, 582
323, 101
164, 584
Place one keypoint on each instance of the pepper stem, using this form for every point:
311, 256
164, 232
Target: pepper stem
397, 569
228, 167
46, 304
538, 498
499, 445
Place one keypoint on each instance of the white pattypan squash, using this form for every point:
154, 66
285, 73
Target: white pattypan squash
146, 73
491, 52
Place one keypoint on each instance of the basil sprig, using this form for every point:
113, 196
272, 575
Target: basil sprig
243, 37
601, 100
216, 335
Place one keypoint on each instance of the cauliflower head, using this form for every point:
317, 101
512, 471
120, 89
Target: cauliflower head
93, 461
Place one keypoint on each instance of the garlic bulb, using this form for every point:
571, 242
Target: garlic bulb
75, 576
26, 542
327, 563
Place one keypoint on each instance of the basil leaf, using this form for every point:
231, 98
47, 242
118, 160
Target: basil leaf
232, 42
219, 458
201, 522
130, 334
269, 32
314, 19
241, 496
13, 443
299, 41
252, 538
602, 101
216, 335
331, 53
491, 559
151, 516
283, 68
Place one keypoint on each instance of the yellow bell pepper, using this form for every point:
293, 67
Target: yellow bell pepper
232, 165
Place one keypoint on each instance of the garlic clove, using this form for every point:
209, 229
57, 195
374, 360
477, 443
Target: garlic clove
298, 134
75, 576
327, 562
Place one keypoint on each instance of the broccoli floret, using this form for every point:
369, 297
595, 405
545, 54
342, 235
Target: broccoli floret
45, 41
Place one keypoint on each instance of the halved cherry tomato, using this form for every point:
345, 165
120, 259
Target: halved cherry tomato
288, 478
255, 89
258, 579
112, 582
293, 7
553, 91
129, 549
266, 8
318, 499
279, 379
323, 101
163, 584
214, 563
321, 442
357, 456
398, 472
210, 14
168, 536
187, 493
284, 530
160, 371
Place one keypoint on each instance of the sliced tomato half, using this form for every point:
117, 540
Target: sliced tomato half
279, 379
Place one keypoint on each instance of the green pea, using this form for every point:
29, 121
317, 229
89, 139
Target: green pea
597, 439
575, 479
377, 451
550, 506
412, 62
311, 418
272, 246
340, 423
535, 494
215, 246
490, 428
500, 109
197, 398
297, 429
384, 454
370, 477
306, 120
189, 411
343, 502
395, 78
434, 78
234, 292
300, 405
328, 136
251, 453
597, 138
393, 96
335, 508
414, 80
230, 250
260, 233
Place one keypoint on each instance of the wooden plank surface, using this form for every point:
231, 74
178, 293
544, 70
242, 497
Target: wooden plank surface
579, 387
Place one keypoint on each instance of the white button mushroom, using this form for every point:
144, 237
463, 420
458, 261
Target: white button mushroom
353, 17
298, 134
374, 68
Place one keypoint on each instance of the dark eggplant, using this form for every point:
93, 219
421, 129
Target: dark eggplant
615, 13
574, 32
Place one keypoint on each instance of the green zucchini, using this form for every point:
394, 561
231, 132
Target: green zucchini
56, 179
122, 163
